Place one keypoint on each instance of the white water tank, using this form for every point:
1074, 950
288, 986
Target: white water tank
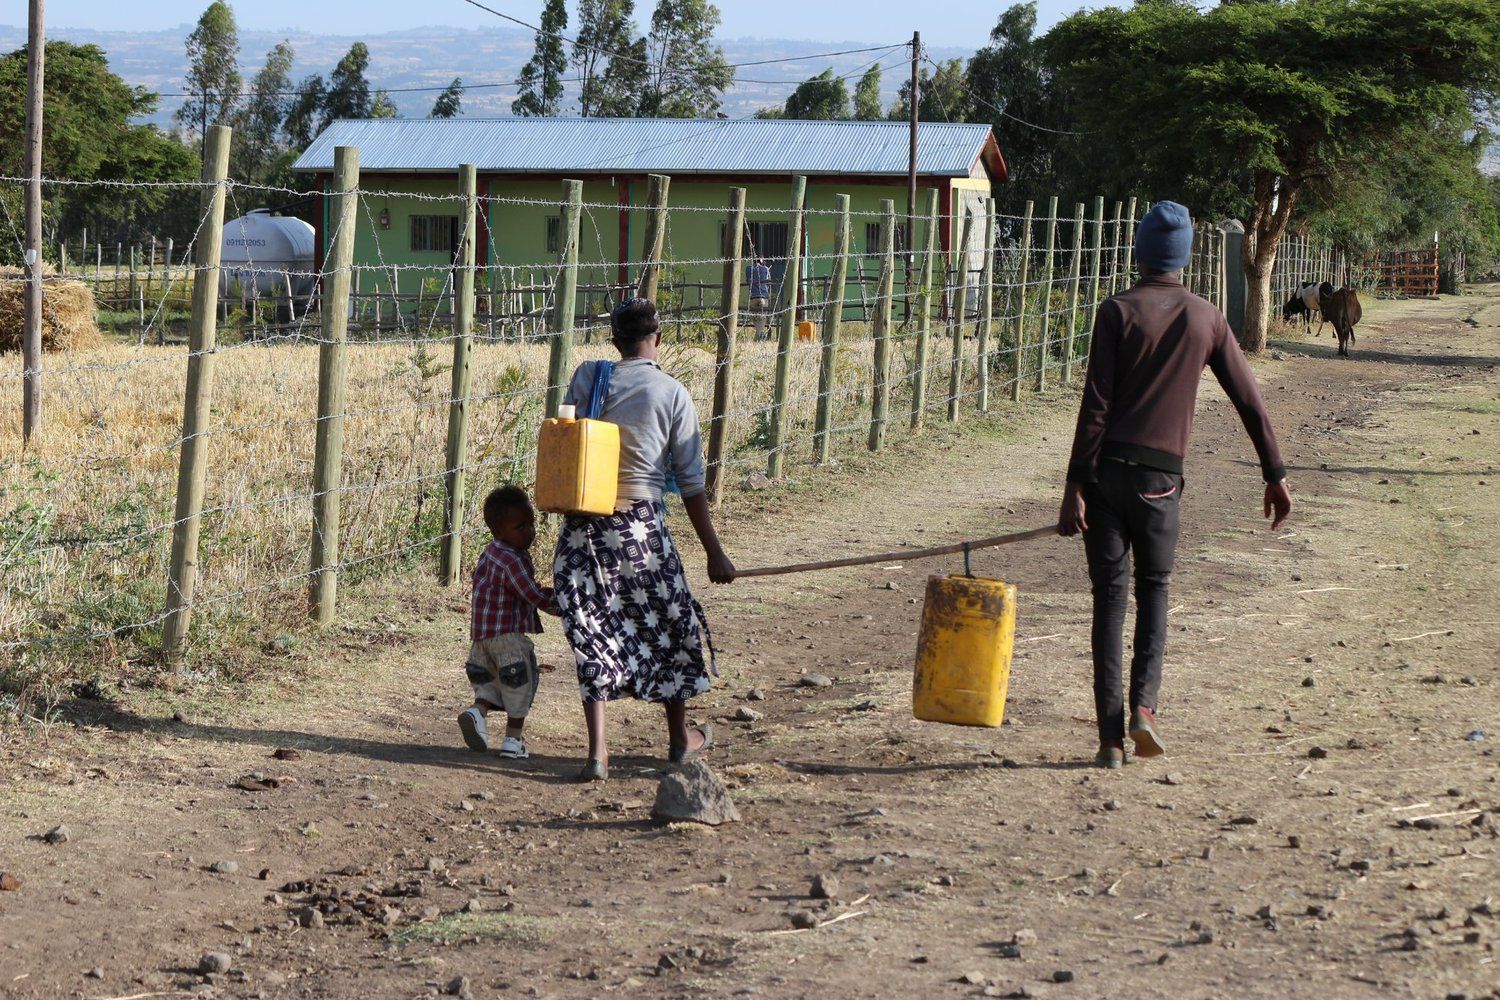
264, 255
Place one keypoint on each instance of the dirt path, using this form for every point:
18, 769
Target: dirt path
1322, 687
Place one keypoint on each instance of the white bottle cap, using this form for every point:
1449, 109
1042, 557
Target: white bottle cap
566, 412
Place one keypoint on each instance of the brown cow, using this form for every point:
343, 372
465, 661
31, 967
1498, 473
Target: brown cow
1343, 311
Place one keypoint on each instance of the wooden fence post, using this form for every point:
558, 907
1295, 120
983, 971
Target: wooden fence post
1115, 251
1018, 362
833, 317
956, 317
987, 305
564, 301
1127, 237
197, 405
1075, 273
1190, 269
450, 555
1042, 341
924, 317
729, 324
791, 286
656, 237
135, 284
1096, 265
880, 386
328, 456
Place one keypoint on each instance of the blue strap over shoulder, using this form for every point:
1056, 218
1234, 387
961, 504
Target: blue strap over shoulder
603, 372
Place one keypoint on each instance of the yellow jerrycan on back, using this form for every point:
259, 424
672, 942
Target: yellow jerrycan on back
578, 458
963, 651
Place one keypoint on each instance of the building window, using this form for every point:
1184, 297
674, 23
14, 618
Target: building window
554, 233
872, 238
435, 233
767, 240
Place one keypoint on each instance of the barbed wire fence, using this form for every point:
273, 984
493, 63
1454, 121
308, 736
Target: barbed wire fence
178, 500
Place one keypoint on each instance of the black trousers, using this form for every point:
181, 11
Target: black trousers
1131, 511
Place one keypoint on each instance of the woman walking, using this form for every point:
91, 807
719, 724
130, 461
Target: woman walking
626, 607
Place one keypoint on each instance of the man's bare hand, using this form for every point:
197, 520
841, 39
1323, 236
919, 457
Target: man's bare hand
1070, 519
1279, 502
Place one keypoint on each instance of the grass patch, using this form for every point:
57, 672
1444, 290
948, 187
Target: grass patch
500, 928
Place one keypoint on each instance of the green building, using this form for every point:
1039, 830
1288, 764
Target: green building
408, 226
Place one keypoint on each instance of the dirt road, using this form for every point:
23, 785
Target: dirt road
1323, 825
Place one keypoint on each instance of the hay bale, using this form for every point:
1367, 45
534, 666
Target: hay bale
68, 316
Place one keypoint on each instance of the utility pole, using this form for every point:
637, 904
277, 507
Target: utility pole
911, 165
31, 343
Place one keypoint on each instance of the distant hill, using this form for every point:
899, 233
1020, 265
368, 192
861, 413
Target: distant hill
433, 56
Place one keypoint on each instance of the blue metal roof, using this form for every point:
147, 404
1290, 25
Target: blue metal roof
652, 145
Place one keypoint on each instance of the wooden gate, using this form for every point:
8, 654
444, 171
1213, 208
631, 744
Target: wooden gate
1408, 272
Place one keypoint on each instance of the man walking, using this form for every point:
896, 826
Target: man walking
1150, 346
759, 276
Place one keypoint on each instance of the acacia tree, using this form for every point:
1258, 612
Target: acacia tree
540, 82
867, 106
1252, 104
212, 77
822, 98
686, 73
449, 103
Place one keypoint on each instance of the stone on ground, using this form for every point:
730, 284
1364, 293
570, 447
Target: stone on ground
693, 794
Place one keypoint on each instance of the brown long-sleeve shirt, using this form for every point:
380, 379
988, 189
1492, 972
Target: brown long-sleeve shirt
1151, 344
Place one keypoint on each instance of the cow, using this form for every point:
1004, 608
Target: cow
1305, 301
1343, 311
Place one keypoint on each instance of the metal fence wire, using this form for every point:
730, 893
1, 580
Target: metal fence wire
230, 454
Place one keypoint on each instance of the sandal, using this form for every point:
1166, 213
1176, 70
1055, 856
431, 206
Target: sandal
681, 755
594, 770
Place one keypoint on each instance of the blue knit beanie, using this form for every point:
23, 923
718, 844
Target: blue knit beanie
1164, 240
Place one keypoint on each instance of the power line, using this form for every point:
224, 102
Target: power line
994, 107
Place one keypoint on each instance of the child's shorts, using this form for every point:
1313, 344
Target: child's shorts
503, 671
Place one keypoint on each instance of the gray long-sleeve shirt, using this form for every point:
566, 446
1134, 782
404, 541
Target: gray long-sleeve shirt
658, 423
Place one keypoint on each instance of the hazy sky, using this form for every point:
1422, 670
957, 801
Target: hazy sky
963, 23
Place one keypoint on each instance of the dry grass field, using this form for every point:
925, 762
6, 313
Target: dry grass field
88, 507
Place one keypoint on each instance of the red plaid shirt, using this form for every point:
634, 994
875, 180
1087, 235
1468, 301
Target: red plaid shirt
506, 594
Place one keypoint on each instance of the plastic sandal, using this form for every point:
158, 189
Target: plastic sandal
681, 755
594, 770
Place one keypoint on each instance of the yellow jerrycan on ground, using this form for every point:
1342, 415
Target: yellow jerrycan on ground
963, 651
578, 458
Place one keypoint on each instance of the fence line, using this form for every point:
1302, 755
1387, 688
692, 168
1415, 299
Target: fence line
338, 436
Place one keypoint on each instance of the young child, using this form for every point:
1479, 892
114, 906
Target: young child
502, 663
